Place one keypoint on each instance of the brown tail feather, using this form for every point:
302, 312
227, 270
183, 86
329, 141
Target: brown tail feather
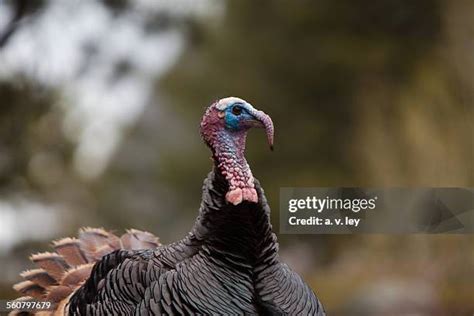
135, 239
57, 293
21, 313
76, 275
61, 272
96, 242
29, 288
38, 276
53, 263
70, 250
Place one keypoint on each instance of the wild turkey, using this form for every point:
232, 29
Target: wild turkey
228, 264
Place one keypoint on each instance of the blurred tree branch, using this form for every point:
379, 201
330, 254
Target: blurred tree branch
12, 26
21, 10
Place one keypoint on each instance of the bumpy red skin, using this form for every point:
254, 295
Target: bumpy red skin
228, 152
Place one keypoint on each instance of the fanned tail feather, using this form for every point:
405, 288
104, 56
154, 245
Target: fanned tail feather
60, 273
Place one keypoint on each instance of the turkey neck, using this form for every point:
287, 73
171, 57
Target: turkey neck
241, 232
228, 155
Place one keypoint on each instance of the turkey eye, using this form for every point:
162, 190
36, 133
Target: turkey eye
236, 110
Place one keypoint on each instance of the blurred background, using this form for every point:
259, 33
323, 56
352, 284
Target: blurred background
100, 103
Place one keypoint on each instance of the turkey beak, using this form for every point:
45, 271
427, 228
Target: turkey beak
261, 120
264, 121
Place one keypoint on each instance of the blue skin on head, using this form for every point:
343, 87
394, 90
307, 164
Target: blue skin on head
234, 121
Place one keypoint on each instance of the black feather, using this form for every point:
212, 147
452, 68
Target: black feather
227, 265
